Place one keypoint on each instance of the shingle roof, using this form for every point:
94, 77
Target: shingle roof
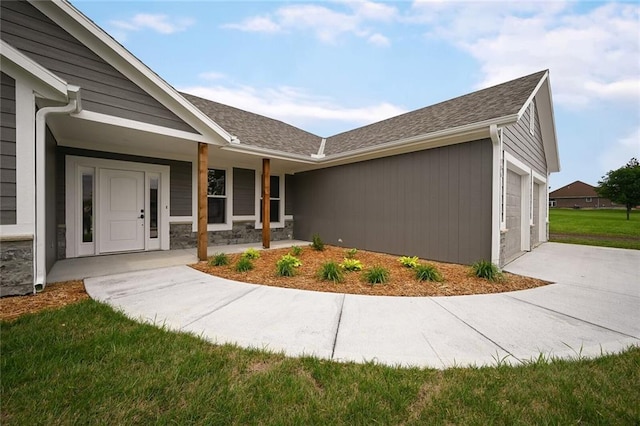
258, 130
494, 102
252, 129
574, 189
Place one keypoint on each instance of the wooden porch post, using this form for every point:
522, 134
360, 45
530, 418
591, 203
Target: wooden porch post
203, 173
266, 203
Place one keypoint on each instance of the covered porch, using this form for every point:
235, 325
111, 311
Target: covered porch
96, 266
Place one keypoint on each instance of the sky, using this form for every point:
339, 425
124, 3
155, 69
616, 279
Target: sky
331, 66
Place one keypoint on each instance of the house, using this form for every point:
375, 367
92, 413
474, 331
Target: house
578, 195
100, 155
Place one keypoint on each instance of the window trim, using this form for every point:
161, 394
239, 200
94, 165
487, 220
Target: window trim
227, 225
281, 216
532, 115
588, 200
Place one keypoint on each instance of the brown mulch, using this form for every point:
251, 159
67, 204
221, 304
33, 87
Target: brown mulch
402, 281
53, 296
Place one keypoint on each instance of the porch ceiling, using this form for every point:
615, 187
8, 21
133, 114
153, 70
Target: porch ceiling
77, 132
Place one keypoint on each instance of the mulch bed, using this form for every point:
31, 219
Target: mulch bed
402, 281
53, 296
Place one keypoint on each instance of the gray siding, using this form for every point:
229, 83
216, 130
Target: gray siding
244, 191
7, 150
435, 204
528, 148
104, 89
288, 194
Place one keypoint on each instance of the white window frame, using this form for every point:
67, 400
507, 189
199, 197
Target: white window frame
588, 200
281, 216
227, 225
543, 205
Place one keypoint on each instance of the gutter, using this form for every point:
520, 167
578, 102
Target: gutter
496, 196
74, 105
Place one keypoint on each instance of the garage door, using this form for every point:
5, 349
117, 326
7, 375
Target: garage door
514, 217
535, 231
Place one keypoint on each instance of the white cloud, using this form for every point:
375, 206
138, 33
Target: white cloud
158, 23
592, 55
621, 152
259, 24
325, 23
379, 40
212, 75
294, 105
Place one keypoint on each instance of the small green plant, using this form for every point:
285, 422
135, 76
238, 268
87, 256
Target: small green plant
487, 270
251, 254
351, 253
295, 250
426, 272
330, 271
244, 264
376, 275
219, 259
286, 266
409, 262
317, 243
351, 265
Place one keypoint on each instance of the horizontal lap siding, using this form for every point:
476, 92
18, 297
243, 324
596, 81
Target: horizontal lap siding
244, 192
104, 89
528, 148
435, 204
8, 151
180, 178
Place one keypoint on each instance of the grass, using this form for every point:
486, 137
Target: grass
88, 364
602, 227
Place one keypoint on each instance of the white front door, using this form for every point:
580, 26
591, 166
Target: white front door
122, 223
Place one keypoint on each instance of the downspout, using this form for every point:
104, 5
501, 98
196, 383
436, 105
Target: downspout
495, 194
74, 105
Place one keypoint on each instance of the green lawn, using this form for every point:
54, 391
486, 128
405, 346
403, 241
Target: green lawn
87, 364
603, 227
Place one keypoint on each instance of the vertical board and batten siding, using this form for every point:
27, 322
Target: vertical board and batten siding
528, 148
244, 192
180, 178
8, 151
104, 89
435, 204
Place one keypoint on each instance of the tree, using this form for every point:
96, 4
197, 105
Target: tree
622, 186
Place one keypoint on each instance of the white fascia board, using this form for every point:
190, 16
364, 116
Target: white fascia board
103, 45
138, 125
266, 152
544, 103
45, 83
524, 106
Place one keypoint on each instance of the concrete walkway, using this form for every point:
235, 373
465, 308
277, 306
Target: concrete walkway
593, 308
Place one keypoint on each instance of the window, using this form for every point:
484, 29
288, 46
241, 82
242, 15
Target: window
532, 116
153, 206
274, 204
87, 206
552, 203
217, 196
588, 199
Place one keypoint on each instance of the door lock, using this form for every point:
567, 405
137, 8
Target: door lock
141, 213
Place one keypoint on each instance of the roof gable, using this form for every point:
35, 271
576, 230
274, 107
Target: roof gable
574, 189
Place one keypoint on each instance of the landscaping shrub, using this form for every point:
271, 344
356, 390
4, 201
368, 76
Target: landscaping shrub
295, 251
351, 253
244, 264
351, 265
286, 266
376, 275
219, 259
251, 254
487, 270
317, 243
330, 271
409, 262
426, 272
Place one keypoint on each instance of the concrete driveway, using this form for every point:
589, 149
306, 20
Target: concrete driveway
593, 308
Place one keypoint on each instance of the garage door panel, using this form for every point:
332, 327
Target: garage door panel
513, 215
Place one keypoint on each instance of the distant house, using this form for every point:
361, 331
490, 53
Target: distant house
100, 156
578, 195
